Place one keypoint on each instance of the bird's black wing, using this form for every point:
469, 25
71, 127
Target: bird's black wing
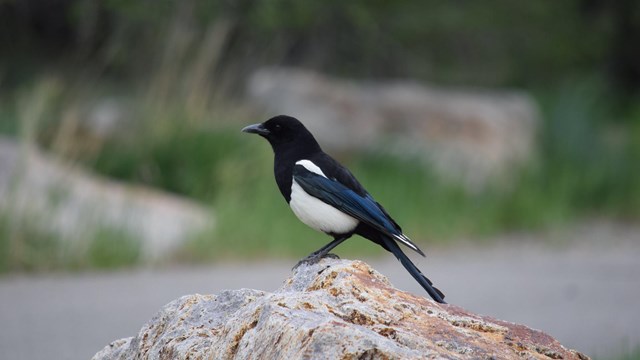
334, 170
358, 204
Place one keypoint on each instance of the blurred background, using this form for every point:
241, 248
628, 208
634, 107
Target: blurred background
480, 126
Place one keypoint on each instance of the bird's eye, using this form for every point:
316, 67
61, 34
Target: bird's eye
278, 126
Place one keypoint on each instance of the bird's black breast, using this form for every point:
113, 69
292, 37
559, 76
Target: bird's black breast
284, 178
284, 161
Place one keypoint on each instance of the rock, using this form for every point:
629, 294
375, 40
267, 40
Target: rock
336, 309
471, 136
60, 198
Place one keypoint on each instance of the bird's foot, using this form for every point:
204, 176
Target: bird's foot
313, 258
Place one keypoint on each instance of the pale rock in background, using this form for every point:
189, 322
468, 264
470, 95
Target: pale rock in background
63, 199
469, 136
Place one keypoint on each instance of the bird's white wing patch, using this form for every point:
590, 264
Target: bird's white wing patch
405, 240
309, 165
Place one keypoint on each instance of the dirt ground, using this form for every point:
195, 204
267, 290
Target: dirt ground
580, 285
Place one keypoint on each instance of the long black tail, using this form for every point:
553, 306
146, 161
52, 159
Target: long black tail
392, 246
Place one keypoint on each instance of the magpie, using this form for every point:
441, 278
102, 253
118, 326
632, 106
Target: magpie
325, 195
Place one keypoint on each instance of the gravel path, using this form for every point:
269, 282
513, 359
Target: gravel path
585, 292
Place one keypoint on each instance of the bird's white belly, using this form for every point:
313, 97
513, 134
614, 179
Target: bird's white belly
319, 215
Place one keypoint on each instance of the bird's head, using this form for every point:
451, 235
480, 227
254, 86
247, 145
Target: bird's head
284, 131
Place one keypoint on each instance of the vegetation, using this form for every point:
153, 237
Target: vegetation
179, 68
627, 354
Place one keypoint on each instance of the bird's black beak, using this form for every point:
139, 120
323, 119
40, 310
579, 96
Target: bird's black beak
256, 129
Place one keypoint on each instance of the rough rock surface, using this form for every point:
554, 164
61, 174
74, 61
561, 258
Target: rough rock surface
470, 135
62, 199
336, 309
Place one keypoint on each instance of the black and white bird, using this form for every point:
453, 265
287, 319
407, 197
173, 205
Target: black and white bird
325, 195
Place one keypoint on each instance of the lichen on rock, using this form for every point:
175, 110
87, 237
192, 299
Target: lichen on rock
335, 309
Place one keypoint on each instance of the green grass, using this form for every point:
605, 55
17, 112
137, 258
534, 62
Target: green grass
28, 249
177, 73
254, 221
25, 246
630, 354
584, 167
112, 248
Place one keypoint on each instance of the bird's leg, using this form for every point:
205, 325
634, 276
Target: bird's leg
317, 255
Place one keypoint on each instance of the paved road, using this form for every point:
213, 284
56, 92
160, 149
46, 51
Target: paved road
585, 292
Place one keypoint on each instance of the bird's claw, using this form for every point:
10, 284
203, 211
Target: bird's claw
314, 258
